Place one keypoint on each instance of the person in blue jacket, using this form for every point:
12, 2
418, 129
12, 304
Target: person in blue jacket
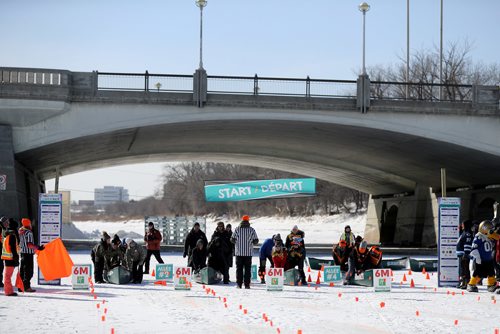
265, 253
464, 246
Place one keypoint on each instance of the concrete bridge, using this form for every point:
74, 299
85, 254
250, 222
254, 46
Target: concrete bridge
55, 122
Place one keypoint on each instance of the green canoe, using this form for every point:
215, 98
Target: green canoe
316, 263
208, 276
118, 275
394, 264
292, 277
418, 265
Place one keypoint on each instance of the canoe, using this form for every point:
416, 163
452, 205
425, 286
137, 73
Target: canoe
118, 275
394, 264
207, 276
418, 265
316, 264
365, 279
292, 277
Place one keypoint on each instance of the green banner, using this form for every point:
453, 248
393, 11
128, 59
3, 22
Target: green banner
223, 191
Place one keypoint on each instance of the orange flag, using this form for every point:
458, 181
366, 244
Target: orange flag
19, 282
54, 261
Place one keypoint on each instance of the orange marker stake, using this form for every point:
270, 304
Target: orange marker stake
382, 304
417, 313
356, 299
103, 318
456, 322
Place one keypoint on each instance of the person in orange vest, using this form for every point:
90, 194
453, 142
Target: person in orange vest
28, 247
10, 256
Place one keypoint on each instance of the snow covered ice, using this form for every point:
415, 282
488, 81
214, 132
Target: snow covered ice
150, 308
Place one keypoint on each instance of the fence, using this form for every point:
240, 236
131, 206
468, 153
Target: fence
145, 82
33, 76
175, 229
420, 91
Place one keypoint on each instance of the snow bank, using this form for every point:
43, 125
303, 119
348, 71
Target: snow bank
318, 229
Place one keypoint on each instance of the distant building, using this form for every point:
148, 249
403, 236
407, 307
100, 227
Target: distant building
109, 195
84, 202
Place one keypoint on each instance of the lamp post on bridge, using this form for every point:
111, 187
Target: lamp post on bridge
200, 76
363, 81
201, 4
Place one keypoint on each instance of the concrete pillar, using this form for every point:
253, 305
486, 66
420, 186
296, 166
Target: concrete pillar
20, 198
373, 221
9, 198
200, 87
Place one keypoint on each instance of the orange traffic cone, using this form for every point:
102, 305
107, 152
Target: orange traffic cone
332, 284
427, 277
424, 271
412, 284
318, 281
153, 273
409, 272
309, 269
322, 267
404, 278
319, 273
309, 280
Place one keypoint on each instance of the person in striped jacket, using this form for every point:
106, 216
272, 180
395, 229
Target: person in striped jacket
244, 237
28, 247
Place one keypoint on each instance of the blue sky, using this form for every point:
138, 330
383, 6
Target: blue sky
291, 38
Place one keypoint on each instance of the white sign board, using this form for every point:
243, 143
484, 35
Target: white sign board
382, 280
182, 278
275, 279
80, 276
50, 224
3, 182
449, 231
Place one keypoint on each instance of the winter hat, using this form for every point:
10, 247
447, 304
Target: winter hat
128, 241
295, 227
26, 222
199, 242
347, 227
245, 218
105, 235
277, 237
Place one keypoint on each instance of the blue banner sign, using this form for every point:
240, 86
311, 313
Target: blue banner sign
221, 191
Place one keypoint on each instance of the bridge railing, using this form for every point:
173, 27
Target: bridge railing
33, 76
420, 91
147, 82
305, 87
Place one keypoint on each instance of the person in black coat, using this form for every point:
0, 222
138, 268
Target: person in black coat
192, 238
218, 250
230, 256
198, 257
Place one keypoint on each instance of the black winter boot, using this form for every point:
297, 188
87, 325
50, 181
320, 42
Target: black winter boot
472, 288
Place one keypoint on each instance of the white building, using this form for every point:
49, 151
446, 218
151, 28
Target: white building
109, 195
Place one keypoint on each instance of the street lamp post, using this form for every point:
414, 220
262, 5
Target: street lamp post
364, 80
364, 7
201, 4
407, 48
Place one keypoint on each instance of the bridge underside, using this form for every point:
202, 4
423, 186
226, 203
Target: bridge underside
374, 161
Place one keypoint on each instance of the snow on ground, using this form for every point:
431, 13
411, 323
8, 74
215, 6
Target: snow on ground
149, 308
318, 229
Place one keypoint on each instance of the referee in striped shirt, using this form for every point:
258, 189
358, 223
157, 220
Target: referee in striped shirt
244, 237
28, 246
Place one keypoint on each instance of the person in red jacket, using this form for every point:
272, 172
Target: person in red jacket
152, 238
279, 253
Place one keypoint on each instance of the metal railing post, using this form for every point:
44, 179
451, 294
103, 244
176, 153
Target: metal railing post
146, 82
308, 87
256, 85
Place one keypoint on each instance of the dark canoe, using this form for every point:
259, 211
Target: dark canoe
316, 264
365, 280
394, 264
292, 277
418, 265
208, 276
118, 275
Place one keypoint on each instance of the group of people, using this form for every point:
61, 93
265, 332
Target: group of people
478, 251
18, 249
354, 256
111, 253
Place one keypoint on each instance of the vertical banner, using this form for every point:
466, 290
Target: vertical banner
275, 279
49, 225
382, 280
80, 276
182, 278
254, 272
449, 222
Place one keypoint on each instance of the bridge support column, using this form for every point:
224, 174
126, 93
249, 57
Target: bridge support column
403, 221
20, 197
200, 87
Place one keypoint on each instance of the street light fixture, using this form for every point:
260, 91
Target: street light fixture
201, 4
364, 7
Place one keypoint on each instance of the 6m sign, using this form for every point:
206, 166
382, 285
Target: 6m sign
182, 278
382, 280
274, 279
80, 276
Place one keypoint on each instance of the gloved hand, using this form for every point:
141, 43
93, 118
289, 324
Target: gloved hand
184, 255
41, 247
